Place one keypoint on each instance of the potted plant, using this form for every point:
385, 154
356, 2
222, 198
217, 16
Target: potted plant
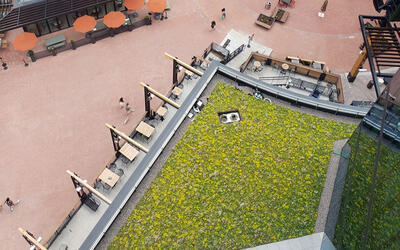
147, 20
31, 54
53, 51
73, 46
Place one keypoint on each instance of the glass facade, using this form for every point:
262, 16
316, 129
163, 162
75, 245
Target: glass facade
65, 21
369, 217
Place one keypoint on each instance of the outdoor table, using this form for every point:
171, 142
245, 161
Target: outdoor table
145, 129
128, 151
189, 73
285, 66
109, 177
161, 111
177, 92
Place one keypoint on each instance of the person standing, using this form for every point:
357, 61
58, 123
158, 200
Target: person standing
250, 39
213, 23
223, 14
11, 204
121, 103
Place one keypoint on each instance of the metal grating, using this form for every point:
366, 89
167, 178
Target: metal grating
382, 46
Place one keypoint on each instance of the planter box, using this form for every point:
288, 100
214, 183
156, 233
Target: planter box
265, 21
280, 15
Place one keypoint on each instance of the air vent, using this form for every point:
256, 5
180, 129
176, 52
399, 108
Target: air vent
229, 116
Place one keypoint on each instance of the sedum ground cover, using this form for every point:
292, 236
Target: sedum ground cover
385, 224
236, 185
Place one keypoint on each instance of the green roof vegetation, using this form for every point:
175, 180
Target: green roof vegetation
236, 185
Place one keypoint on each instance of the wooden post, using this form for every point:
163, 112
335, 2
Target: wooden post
31, 239
161, 96
90, 188
127, 138
186, 66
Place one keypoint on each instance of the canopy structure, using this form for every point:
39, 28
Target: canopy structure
157, 5
114, 19
134, 4
84, 23
25, 41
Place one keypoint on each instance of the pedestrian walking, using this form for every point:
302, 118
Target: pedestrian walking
121, 103
164, 15
323, 9
223, 14
213, 23
250, 39
128, 110
11, 204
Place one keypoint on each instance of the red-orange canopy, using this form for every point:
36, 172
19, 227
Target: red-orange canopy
133, 4
25, 41
84, 24
157, 5
114, 19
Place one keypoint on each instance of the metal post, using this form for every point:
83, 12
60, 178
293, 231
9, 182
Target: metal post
175, 73
147, 98
115, 140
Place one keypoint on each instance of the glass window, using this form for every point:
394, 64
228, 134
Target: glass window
92, 11
32, 28
54, 24
82, 12
63, 22
71, 18
43, 27
110, 7
120, 6
101, 10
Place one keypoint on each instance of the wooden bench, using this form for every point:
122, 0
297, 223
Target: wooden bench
55, 42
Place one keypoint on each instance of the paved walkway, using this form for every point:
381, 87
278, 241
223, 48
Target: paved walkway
53, 112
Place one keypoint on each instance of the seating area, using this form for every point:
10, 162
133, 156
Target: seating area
296, 77
277, 15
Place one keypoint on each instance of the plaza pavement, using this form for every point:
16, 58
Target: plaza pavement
52, 113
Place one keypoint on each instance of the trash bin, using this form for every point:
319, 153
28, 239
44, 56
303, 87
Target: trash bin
268, 5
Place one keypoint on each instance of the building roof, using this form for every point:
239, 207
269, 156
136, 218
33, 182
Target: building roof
31, 11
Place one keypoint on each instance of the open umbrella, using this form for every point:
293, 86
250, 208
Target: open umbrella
84, 24
114, 19
25, 41
157, 5
133, 4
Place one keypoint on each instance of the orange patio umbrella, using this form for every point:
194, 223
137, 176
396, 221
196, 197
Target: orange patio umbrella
133, 4
84, 24
157, 5
25, 41
114, 19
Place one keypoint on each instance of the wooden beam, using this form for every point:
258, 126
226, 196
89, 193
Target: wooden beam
161, 96
127, 138
31, 239
90, 188
187, 66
